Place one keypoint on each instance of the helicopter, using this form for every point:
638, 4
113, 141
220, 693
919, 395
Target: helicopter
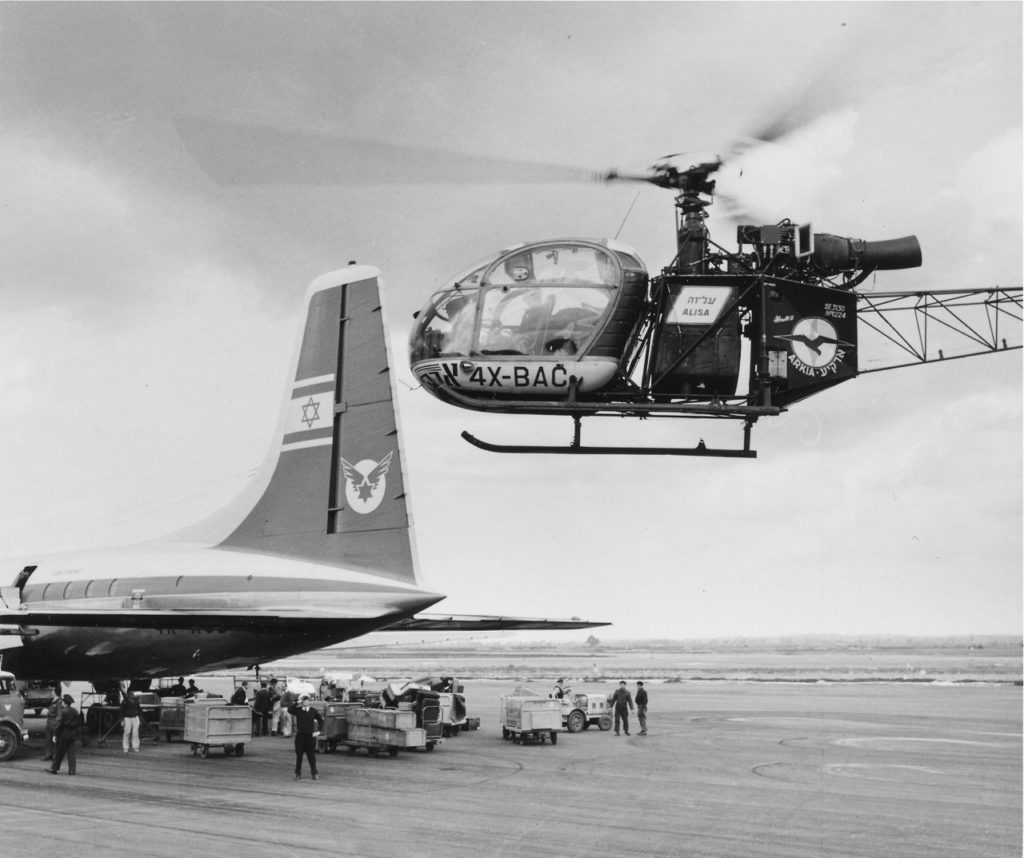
578, 327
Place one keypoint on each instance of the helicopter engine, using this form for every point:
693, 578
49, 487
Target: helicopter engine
794, 250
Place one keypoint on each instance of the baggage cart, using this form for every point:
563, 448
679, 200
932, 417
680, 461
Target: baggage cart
172, 717
530, 719
390, 730
335, 731
210, 725
453, 713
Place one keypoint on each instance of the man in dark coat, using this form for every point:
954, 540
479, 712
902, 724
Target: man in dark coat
308, 724
641, 707
262, 704
52, 719
621, 701
67, 735
241, 695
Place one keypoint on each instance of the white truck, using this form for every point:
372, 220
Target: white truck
12, 717
579, 711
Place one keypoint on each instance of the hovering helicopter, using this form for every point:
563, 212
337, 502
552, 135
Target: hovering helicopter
579, 328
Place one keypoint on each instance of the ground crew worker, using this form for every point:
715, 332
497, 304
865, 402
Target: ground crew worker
559, 691
287, 701
131, 716
308, 724
641, 707
67, 735
622, 701
52, 719
262, 704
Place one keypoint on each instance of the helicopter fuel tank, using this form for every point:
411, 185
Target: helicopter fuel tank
536, 320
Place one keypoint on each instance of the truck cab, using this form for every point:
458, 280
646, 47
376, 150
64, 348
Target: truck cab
12, 717
579, 711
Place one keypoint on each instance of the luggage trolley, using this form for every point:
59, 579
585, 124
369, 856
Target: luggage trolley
530, 719
211, 724
390, 730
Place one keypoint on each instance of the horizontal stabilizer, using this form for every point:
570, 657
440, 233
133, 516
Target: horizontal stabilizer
474, 623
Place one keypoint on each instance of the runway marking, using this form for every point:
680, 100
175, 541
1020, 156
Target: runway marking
845, 768
806, 773
865, 740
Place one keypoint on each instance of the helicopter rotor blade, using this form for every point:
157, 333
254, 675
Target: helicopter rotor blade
246, 153
614, 175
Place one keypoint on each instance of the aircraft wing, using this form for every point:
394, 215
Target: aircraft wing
474, 623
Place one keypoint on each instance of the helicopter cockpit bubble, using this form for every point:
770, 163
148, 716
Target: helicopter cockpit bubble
537, 319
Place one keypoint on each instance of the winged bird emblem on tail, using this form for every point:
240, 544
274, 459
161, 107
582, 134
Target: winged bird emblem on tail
365, 482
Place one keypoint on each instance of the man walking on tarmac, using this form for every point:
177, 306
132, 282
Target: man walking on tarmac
621, 701
308, 724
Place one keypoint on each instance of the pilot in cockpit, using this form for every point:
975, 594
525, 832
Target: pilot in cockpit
518, 268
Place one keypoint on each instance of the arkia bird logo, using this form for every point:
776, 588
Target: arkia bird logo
365, 483
816, 347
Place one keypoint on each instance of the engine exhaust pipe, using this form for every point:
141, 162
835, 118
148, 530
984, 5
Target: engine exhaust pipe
835, 253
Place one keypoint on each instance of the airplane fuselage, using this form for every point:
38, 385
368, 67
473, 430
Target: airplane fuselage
272, 607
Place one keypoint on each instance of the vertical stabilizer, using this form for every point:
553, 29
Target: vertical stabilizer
336, 493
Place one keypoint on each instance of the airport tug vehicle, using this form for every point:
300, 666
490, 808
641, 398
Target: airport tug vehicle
580, 711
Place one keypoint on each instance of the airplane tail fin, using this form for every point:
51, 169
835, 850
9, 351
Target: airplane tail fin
333, 490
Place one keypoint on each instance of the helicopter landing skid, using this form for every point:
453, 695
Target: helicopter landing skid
699, 450
576, 447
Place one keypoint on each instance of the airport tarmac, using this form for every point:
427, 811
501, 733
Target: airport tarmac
728, 769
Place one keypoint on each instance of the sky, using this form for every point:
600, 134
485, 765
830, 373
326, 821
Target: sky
150, 311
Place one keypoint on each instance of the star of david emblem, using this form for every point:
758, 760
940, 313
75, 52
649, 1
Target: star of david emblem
310, 412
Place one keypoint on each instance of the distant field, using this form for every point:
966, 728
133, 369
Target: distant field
996, 660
